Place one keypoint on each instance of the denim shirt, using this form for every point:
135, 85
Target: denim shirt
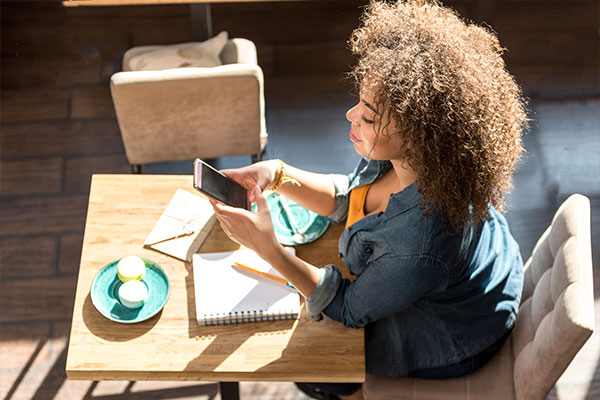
426, 297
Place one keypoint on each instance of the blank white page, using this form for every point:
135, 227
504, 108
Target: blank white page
222, 290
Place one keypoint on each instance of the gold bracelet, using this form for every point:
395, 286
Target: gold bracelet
283, 177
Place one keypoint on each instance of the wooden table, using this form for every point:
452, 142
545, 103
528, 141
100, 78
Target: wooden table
94, 3
200, 11
171, 345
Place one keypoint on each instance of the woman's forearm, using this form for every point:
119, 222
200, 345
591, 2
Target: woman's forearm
302, 275
316, 191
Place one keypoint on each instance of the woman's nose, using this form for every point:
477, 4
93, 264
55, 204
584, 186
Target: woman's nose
351, 114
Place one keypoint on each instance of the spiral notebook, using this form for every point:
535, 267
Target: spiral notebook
226, 294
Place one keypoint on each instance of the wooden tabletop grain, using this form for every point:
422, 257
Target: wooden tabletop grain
171, 345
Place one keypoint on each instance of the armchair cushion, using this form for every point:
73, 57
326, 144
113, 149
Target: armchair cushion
193, 54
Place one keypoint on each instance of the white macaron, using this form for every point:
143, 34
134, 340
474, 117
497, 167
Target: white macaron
133, 293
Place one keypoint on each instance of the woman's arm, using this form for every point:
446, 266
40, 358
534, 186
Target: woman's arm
254, 230
315, 191
299, 273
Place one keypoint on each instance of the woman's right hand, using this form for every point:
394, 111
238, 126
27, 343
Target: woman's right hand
261, 174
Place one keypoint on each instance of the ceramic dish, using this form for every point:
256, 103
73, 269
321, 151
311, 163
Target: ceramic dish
310, 224
105, 289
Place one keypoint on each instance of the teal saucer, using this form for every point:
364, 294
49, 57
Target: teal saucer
105, 289
311, 224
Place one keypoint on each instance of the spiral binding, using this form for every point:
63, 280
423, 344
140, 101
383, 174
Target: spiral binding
236, 317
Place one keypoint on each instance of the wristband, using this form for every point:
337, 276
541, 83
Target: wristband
283, 177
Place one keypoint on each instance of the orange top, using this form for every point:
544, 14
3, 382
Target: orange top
356, 208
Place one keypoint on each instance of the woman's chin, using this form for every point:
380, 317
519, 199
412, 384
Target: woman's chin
361, 151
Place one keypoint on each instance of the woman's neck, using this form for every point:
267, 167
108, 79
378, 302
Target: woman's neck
404, 175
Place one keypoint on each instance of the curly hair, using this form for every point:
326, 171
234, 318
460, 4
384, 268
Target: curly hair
460, 113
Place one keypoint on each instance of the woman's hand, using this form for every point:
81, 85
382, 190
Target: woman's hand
250, 229
261, 174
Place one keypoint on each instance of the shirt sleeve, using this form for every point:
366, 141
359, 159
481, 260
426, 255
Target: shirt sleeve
388, 286
343, 185
342, 193
324, 292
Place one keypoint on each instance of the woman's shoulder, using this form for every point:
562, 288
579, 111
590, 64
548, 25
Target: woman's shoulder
408, 232
366, 171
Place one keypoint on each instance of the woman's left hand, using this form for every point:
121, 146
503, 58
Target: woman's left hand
250, 229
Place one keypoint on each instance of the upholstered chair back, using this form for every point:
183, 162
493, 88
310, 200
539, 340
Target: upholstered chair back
556, 316
183, 113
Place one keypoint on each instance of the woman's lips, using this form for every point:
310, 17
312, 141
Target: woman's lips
353, 137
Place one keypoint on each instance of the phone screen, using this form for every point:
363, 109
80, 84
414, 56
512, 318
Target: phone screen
213, 183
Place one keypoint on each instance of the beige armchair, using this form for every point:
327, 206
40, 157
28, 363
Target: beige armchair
182, 113
555, 319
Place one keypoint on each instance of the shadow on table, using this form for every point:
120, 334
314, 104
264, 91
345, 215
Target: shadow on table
104, 328
226, 340
342, 358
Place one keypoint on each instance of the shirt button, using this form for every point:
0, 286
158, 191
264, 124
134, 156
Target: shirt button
380, 213
369, 250
340, 254
349, 229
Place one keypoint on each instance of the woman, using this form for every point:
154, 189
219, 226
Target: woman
438, 124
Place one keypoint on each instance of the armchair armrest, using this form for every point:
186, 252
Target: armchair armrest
192, 73
240, 51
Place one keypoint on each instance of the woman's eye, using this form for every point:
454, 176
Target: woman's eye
368, 121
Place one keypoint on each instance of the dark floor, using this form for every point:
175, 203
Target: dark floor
58, 127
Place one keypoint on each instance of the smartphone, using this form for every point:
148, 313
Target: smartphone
216, 185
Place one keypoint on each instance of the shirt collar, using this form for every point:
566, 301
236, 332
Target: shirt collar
404, 200
399, 202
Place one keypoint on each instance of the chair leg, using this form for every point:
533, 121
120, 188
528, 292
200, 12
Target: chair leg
257, 157
201, 18
229, 390
136, 169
